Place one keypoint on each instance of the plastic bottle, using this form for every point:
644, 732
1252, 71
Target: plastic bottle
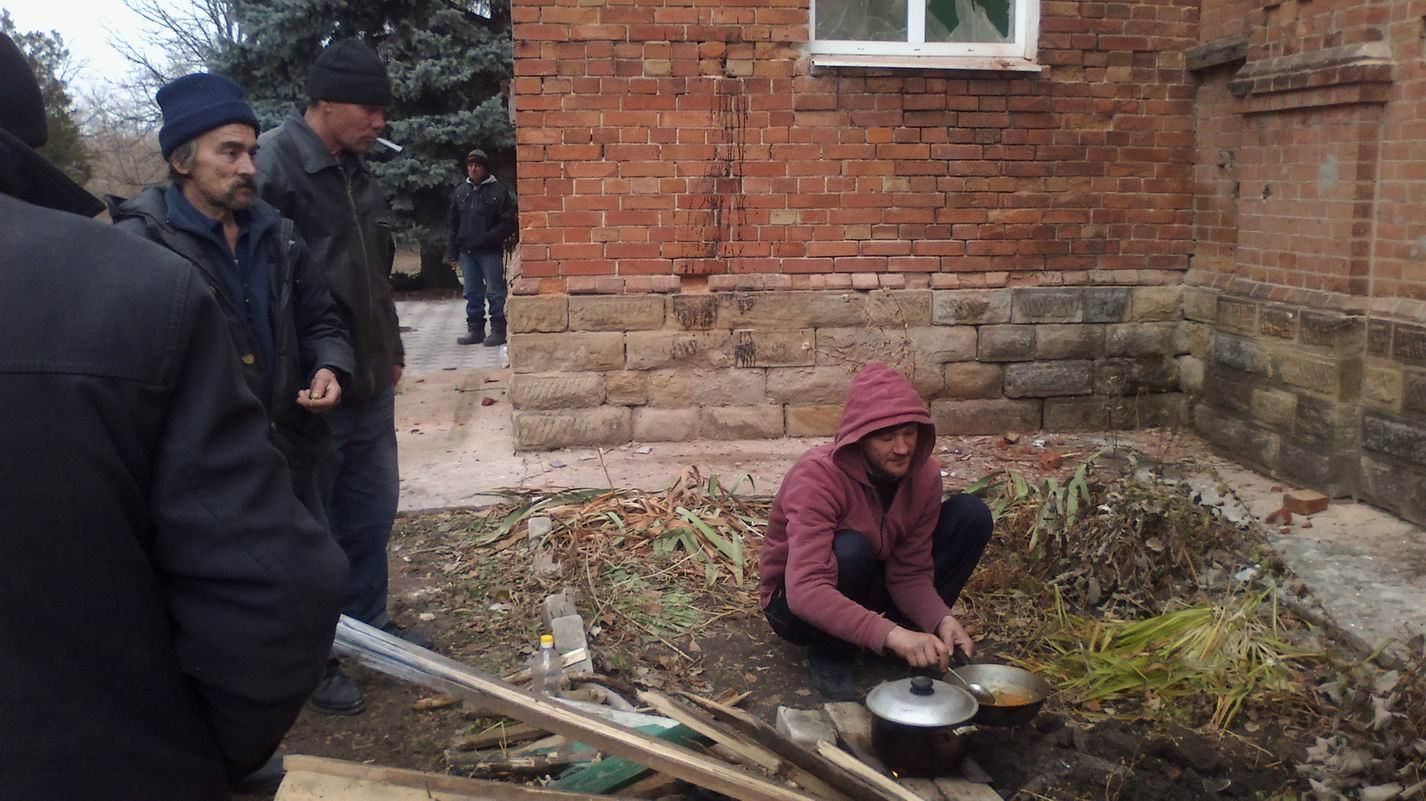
546, 668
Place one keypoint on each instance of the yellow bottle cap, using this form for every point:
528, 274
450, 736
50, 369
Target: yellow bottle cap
547, 639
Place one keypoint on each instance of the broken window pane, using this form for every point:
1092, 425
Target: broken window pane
969, 20
862, 20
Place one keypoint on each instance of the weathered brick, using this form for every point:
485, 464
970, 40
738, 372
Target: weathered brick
615, 313
742, 422
1141, 339
566, 353
1237, 316
1115, 377
1379, 337
1231, 389
1114, 414
974, 380
1190, 374
1041, 305
626, 388
694, 312
1245, 441
1107, 304
1275, 408
528, 314
1240, 354
813, 421
1413, 393
979, 417
1006, 343
604, 425
1394, 487
971, 307
1049, 379
1324, 422
556, 390
1382, 386
916, 352
1194, 338
1332, 330
808, 385
682, 388
776, 348
1200, 304
1334, 472
1277, 321
648, 350
1332, 377
1153, 303
1408, 344
1069, 341
825, 309
665, 425
1394, 437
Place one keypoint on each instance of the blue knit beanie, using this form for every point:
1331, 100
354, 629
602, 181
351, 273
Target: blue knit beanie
198, 103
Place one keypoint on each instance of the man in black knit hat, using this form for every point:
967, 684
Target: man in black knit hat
482, 217
311, 168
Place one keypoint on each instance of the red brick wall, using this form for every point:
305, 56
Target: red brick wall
1302, 26
667, 138
1216, 174
1399, 257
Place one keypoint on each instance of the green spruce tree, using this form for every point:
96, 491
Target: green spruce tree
49, 58
448, 63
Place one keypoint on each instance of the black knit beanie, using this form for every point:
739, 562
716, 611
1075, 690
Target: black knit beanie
349, 72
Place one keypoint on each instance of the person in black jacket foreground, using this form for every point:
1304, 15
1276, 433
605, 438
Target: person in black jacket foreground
483, 216
290, 338
168, 603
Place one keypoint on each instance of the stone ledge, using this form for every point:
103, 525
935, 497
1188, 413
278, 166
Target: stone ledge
1215, 53
1358, 73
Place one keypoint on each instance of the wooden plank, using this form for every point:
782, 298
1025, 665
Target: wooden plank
498, 736
614, 773
953, 789
861, 770
925, 788
853, 724
397, 657
491, 764
312, 778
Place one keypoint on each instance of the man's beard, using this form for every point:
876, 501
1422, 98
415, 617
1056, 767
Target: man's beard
229, 200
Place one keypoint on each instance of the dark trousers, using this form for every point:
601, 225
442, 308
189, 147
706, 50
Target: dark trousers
962, 532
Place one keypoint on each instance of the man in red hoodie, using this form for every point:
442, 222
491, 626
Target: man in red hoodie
860, 550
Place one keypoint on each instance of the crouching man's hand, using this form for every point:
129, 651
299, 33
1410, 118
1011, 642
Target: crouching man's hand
953, 634
918, 648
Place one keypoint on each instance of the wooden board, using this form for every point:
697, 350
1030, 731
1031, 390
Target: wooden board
853, 724
614, 773
319, 779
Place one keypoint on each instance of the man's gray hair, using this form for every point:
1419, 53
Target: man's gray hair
181, 159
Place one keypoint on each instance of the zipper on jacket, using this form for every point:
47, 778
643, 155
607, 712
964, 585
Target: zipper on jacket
365, 259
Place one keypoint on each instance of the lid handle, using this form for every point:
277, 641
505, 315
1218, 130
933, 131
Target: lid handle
921, 685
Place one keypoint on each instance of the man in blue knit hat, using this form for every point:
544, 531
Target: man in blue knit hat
290, 339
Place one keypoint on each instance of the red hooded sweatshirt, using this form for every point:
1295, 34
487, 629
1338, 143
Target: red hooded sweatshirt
828, 490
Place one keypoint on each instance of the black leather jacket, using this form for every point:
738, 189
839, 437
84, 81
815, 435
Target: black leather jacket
341, 212
482, 217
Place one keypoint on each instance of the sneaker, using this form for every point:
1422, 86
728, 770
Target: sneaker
832, 677
336, 693
409, 635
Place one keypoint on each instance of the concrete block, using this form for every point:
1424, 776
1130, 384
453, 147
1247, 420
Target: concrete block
665, 425
805, 726
1106, 304
774, 348
626, 388
529, 314
566, 353
556, 390
1277, 321
1045, 305
557, 605
1069, 341
1274, 407
615, 312
974, 380
971, 307
605, 425
1006, 343
538, 528
813, 421
569, 636
1240, 354
1237, 316
1157, 303
742, 422
1200, 304
650, 350
808, 385
978, 417
1190, 374
1383, 386
1142, 339
1394, 437
693, 312
686, 388
1049, 379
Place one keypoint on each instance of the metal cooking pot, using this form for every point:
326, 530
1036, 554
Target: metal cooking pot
920, 726
1019, 694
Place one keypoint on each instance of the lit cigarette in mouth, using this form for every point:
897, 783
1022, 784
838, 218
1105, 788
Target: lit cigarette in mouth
389, 145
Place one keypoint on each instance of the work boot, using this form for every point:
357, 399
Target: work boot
497, 332
412, 636
832, 676
336, 693
475, 334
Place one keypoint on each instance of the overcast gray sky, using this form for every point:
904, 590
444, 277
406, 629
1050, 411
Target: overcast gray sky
85, 26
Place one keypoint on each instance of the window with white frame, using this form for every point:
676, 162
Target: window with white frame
976, 34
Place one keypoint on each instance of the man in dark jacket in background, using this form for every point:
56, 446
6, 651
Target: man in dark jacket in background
860, 550
168, 603
289, 337
483, 216
311, 168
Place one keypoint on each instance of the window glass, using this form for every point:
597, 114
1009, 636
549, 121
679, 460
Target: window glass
862, 20
969, 20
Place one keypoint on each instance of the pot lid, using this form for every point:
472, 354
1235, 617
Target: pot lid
921, 701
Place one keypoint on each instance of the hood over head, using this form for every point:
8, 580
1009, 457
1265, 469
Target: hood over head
880, 397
